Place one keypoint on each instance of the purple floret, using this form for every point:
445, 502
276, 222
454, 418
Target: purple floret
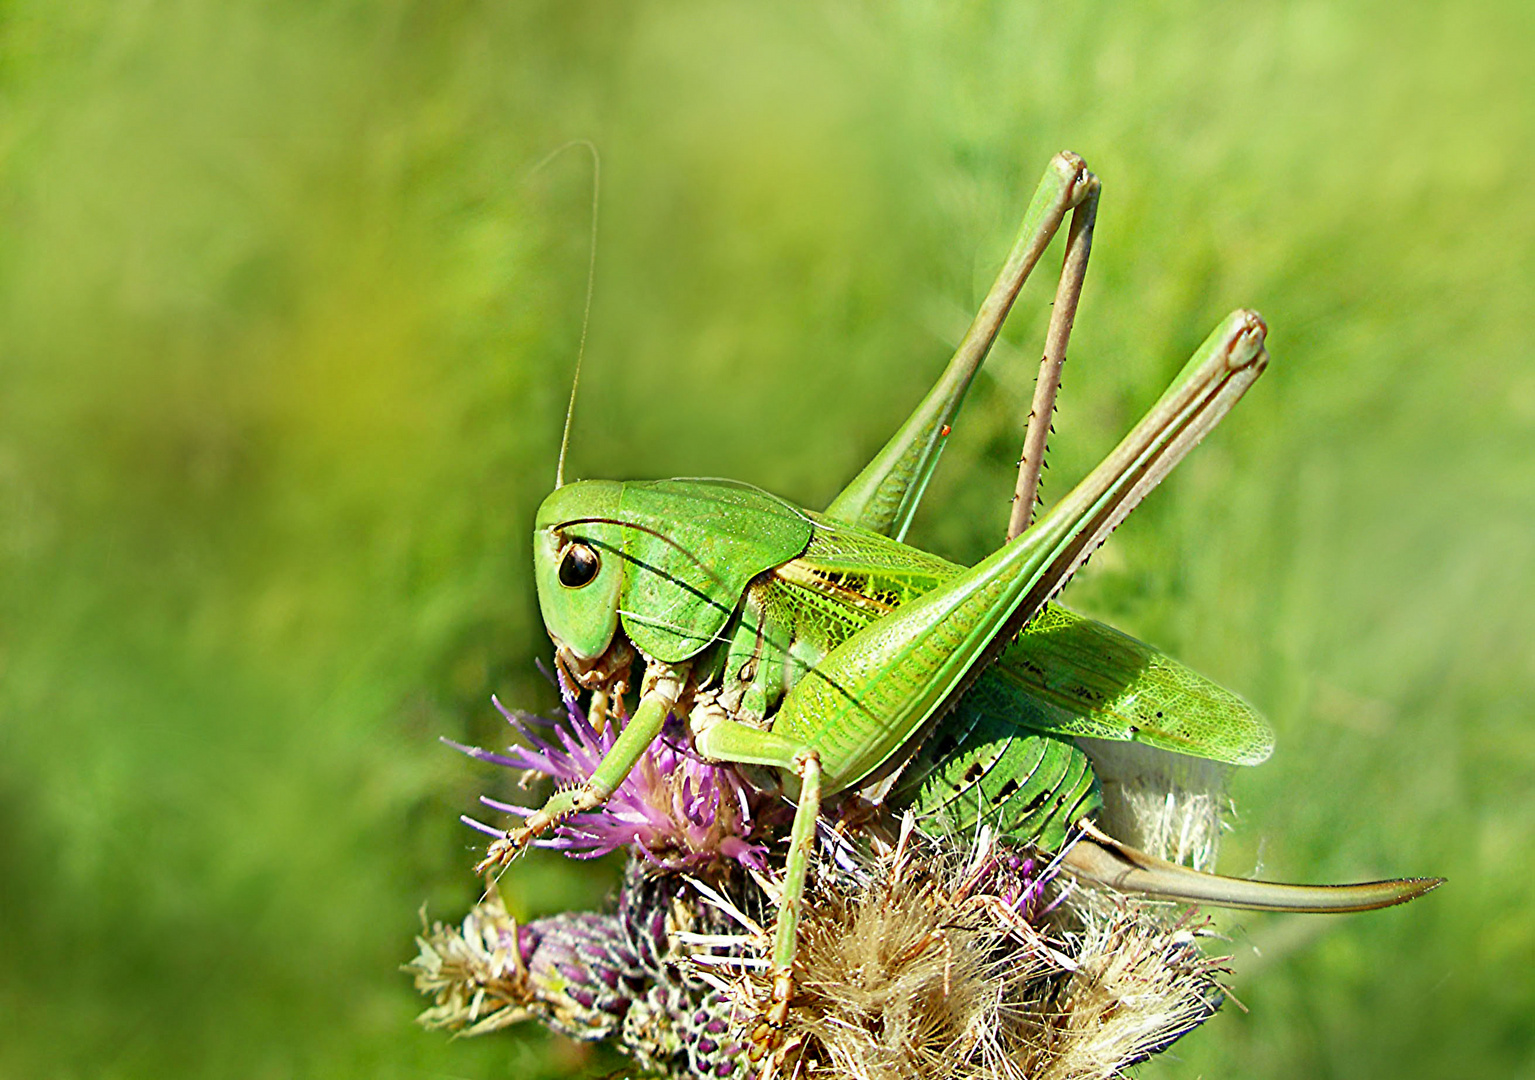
674, 809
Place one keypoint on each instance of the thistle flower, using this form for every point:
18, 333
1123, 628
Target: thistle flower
928, 955
935, 956
674, 810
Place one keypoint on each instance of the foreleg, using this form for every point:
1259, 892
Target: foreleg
662, 687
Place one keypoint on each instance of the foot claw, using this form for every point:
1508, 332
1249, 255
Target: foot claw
767, 1038
763, 1049
501, 852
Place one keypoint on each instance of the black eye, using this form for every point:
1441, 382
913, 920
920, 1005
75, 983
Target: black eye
578, 566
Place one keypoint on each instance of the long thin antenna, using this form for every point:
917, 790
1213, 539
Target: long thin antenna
591, 277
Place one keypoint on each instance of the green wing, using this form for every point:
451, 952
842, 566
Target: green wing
1101, 684
1110, 686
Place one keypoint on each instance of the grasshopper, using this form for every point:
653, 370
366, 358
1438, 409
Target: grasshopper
826, 657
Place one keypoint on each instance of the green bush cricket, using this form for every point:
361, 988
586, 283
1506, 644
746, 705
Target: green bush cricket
826, 657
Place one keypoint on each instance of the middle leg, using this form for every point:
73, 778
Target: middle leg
737, 743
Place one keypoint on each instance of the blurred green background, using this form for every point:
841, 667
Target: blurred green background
285, 333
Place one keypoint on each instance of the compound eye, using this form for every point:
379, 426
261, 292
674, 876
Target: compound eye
578, 566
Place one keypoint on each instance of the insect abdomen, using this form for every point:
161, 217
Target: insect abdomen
983, 764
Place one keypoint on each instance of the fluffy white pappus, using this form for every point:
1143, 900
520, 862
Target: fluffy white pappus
1167, 805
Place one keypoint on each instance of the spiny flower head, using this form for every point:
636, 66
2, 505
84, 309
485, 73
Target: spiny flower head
941, 956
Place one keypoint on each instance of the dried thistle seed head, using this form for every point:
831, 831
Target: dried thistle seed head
942, 959
899, 980
1141, 984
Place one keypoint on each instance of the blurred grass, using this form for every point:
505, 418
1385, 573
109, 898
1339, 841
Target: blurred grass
285, 331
